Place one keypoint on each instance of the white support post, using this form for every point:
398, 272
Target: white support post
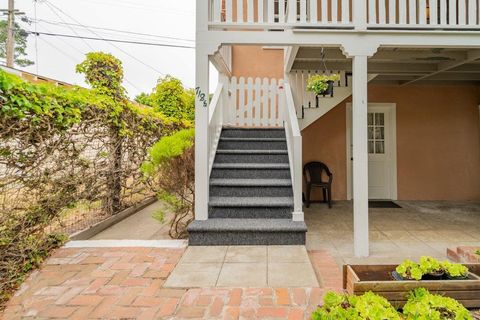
201, 136
360, 14
201, 117
360, 155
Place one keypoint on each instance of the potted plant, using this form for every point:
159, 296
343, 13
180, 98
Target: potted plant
431, 268
408, 270
322, 84
455, 271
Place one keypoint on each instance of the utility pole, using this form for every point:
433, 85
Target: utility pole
10, 35
10, 45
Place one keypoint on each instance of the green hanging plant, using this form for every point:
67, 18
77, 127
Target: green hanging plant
320, 83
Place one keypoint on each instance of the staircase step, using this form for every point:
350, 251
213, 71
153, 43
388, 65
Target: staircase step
252, 143
246, 232
253, 133
246, 202
250, 171
251, 191
250, 213
251, 156
251, 182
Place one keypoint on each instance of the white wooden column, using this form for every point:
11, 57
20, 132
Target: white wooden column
201, 115
360, 156
201, 135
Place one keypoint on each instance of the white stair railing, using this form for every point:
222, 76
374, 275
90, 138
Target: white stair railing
215, 123
255, 102
294, 143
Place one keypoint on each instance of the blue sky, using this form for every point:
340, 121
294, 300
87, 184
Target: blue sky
58, 56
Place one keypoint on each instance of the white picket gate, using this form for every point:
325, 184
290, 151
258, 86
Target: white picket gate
255, 102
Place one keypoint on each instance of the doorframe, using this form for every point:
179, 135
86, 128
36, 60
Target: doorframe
392, 107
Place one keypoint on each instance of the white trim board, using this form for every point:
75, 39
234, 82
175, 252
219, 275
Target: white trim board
393, 143
172, 244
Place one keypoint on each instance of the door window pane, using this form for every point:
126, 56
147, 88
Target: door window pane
371, 147
376, 133
380, 147
379, 119
370, 119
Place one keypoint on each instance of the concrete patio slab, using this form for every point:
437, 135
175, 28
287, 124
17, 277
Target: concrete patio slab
291, 275
418, 228
243, 274
240, 266
247, 254
192, 275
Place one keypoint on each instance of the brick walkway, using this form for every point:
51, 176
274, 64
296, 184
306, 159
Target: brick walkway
127, 283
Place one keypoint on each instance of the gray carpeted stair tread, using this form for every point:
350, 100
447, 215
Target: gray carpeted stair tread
251, 202
253, 139
248, 225
252, 151
251, 182
279, 166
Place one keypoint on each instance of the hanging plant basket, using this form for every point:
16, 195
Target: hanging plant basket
322, 85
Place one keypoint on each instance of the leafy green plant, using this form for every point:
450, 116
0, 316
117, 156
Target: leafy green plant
477, 252
409, 270
455, 270
318, 84
170, 173
170, 98
430, 265
422, 305
367, 306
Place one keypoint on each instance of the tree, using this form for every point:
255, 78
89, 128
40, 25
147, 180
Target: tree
171, 98
20, 37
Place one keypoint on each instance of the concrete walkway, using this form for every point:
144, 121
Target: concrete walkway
128, 283
139, 226
252, 266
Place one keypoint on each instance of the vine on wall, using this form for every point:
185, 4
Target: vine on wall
68, 152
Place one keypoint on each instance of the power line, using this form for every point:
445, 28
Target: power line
115, 30
53, 10
75, 61
59, 50
112, 40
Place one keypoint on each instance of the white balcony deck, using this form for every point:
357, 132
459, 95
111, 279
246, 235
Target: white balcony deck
345, 14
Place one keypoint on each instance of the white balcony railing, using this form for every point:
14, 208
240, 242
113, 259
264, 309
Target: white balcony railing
384, 14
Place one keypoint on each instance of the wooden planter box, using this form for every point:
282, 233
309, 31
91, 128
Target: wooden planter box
358, 279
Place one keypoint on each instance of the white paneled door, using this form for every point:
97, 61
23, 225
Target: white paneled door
382, 168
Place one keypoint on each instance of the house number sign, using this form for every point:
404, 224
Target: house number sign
201, 96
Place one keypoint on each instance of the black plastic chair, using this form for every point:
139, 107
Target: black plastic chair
313, 174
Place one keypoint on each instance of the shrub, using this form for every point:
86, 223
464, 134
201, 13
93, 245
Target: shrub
170, 98
170, 171
422, 305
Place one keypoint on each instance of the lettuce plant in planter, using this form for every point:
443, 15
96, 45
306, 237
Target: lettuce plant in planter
409, 270
431, 268
367, 306
455, 270
422, 305
322, 84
